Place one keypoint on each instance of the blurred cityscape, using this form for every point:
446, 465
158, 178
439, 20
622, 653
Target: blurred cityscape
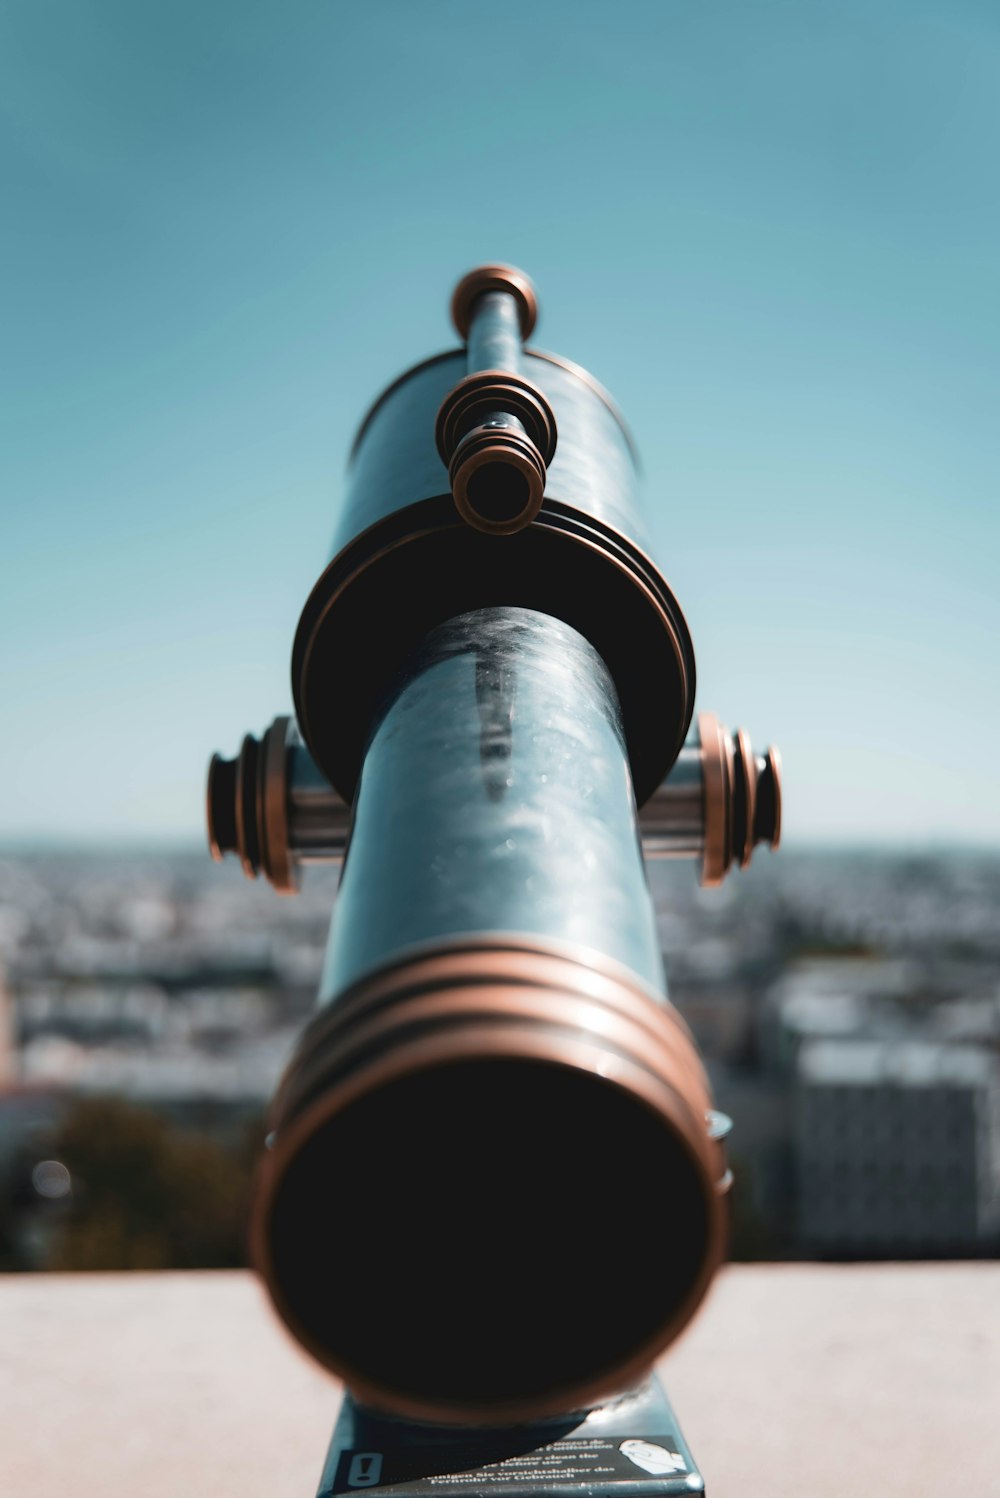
848, 1007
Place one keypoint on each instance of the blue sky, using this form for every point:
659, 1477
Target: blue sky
770, 229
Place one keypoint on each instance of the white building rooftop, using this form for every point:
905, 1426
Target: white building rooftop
879, 1063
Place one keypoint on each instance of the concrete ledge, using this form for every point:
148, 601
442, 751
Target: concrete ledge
805, 1380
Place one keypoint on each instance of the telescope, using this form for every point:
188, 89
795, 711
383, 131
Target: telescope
495, 1186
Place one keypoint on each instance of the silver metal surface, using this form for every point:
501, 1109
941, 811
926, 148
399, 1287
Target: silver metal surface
395, 461
672, 821
495, 796
495, 333
680, 820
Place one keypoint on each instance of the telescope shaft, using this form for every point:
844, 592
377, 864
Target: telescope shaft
492, 1040
496, 797
495, 333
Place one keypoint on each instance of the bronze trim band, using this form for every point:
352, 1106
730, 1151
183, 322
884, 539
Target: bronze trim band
715, 860
247, 808
742, 794
489, 390
494, 278
276, 857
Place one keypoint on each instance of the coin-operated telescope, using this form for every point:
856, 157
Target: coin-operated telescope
495, 1186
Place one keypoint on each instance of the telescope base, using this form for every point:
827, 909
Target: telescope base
630, 1447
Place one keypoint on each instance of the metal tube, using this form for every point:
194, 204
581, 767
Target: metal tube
493, 1055
494, 333
495, 796
296, 818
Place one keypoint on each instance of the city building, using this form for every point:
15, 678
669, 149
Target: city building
897, 1147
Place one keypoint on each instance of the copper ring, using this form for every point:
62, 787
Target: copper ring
715, 789
745, 800
489, 390
494, 278
474, 960
276, 855
247, 841
456, 356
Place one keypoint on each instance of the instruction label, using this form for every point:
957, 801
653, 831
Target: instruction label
606, 1460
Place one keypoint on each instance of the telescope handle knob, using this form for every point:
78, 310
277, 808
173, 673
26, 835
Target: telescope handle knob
494, 278
273, 806
741, 798
247, 806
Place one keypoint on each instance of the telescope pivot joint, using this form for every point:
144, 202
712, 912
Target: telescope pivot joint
274, 807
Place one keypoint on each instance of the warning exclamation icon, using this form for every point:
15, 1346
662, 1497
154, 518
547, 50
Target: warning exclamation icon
365, 1469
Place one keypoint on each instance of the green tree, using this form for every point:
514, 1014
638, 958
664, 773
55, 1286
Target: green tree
147, 1194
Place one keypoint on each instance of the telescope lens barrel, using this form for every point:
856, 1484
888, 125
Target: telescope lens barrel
493, 1193
489, 1237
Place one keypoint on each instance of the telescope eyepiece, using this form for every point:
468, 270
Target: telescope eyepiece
497, 476
495, 430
